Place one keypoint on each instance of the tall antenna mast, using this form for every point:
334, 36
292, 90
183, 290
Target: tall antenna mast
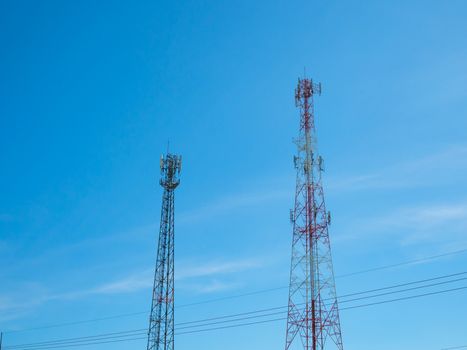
313, 316
161, 320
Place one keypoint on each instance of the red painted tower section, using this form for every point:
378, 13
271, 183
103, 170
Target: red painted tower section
313, 315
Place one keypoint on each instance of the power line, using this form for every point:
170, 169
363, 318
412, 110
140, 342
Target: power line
203, 321
456, 347
404, 298
409, 262
404, 290
83, 338
346, 295
232, 326
346, 308
234, 320
91, 340
379, 268
90, 343
261, 291
405, 284
234, 315
283, 307
73, 323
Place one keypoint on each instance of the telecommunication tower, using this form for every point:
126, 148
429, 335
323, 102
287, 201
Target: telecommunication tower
161, 319
313, 314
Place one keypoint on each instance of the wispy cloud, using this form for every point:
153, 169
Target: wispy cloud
212, 286
201, 278
143, 279
215, 275
217, 268
424, 171
14, 306
229, 203
18, 304
442, 223
128, 284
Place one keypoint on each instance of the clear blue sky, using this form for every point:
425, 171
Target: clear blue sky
90, 92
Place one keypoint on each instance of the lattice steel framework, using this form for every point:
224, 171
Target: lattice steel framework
161, 320
313, 315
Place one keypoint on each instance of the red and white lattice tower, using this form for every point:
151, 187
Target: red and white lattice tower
313, 315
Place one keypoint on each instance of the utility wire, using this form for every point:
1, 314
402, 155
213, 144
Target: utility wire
379, 268
408, 262
346, 308
404, 284
234, 315
90, 340
384, 267
257, 322
404, 298
85, 338
73, 323
404, 290
90, 343
261, 312
261, 291
183, 324
234, 320
203, 321
232, 326
284, 307
196, 322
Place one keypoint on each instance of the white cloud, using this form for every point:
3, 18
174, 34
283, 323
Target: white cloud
425, 217
18, 304
441, 223
144, 279
444, 223
217, 268
129, 284
363, 182
213, 286
206, 277
232, 202
424, 171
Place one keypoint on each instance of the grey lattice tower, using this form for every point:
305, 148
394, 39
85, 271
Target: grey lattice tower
161, 320
313, 316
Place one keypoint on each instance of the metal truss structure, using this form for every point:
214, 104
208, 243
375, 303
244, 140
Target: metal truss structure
161, 320
313, 315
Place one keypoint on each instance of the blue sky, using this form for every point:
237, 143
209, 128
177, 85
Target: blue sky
91, 92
